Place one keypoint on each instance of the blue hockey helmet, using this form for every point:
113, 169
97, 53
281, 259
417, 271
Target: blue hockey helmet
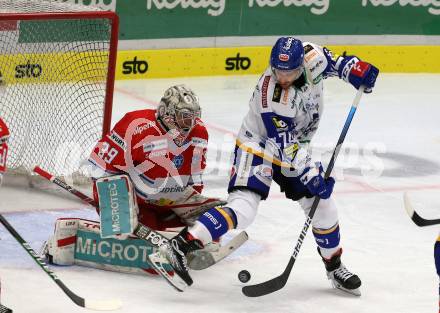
287, 54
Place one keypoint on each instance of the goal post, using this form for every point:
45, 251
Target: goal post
57, 72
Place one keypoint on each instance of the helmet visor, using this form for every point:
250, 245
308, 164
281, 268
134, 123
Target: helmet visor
287, 75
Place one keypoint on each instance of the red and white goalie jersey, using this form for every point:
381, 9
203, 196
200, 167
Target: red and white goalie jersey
161, 164
4, 135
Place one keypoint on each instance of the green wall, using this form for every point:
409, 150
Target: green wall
153, 19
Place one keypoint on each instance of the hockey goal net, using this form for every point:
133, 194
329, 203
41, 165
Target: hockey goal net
57, 67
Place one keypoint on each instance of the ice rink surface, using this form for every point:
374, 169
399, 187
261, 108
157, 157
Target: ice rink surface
393, 146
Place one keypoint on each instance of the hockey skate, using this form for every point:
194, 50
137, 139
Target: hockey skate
340, 276
174, 253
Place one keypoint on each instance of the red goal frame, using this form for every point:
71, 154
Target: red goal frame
108, 101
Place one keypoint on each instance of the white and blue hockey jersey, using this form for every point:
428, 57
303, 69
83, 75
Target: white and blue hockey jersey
289, 116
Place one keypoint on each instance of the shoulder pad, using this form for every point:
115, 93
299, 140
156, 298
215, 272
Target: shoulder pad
142, 122
199, 130
147, 114
315, 61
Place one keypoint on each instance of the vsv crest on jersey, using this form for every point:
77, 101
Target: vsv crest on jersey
280, 125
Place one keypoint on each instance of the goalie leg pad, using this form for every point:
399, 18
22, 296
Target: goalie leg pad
118, 210
78, 241
126, 255
60, 248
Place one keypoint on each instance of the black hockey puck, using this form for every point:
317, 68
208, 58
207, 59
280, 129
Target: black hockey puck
244, 276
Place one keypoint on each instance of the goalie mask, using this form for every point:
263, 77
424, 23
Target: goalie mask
179, 108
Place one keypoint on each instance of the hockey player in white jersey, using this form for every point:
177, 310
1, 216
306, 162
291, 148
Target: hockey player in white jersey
272, 145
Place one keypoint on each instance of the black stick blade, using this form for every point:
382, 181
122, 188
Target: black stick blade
265, 288
415, 217
272, 285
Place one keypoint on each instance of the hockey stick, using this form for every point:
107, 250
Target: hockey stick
278, 282
65, 186
4, 309
93, 305
204, 259
415, 217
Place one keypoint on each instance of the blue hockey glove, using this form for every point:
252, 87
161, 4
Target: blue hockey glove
358, 73
313, 179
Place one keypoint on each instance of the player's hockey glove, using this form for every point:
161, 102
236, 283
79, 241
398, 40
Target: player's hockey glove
313, 179
358, 73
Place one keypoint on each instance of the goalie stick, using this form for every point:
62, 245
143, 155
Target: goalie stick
93, 305
280, 281
200, 259
196, 261
415, 217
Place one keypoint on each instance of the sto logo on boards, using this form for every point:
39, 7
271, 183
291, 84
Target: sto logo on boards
134, 67
237, 63
28, 70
